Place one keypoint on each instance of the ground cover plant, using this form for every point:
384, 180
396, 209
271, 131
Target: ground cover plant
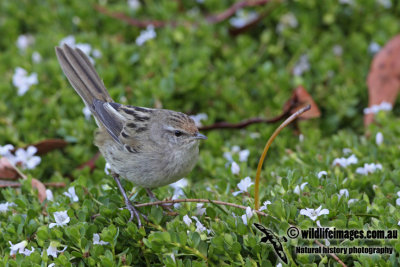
193, 57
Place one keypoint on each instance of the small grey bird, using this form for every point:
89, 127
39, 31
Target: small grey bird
150, 147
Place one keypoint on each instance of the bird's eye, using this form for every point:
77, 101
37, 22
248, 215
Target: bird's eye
178, 133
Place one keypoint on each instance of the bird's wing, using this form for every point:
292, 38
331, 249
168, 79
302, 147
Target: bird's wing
124, 123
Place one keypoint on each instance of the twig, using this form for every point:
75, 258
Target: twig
232, 10
16, 185
242, 124
215, 18
332, 255
55, 184
134, 22
199, 200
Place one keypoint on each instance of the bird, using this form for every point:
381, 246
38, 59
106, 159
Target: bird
148, 146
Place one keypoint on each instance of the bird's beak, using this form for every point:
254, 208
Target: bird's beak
200, 136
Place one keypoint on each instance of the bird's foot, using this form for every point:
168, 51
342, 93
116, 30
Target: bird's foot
134, 213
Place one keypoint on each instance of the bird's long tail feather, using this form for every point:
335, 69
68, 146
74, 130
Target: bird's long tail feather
82, 75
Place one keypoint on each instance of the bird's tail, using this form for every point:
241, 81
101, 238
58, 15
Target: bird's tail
82, 76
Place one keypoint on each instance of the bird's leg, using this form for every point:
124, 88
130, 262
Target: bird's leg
134, 212
154, 199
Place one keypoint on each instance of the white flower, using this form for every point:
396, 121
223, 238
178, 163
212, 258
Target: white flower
243, 185
97, 241
379, 138
134, 4
374, 109
187, 220
96, 53
5, 151
398, 200
352, 200
69, 40
52, 265
254, 135
235, 149
322, 173
314, 214
301, 138
343, 192
71, 194
4, 206
300, 188
228, 156
49, 195
20, 248
346, 150
385, 3
243, 18
198, 118
178, 189
279, 265
235, 169
52, 250
107, 168
348, 2
243, 155
36, 57
287, 20
86, 48
61, 218
344, 162
337, 50
22, 81
28, 252
178, 185
86, 112
76, 20
265, 205
24, 41
26, 158
368, 168
199, 209
146, 35
302, 65
199, 226
245, 217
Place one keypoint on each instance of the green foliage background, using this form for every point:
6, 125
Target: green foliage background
198, 67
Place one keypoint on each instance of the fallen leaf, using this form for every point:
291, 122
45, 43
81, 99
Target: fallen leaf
7, 170
384, 76
41, 189
299, 99
48, 145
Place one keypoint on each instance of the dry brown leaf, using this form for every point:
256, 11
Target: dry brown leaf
7, 170
48, 145
41, 189
384, 76
299, 99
